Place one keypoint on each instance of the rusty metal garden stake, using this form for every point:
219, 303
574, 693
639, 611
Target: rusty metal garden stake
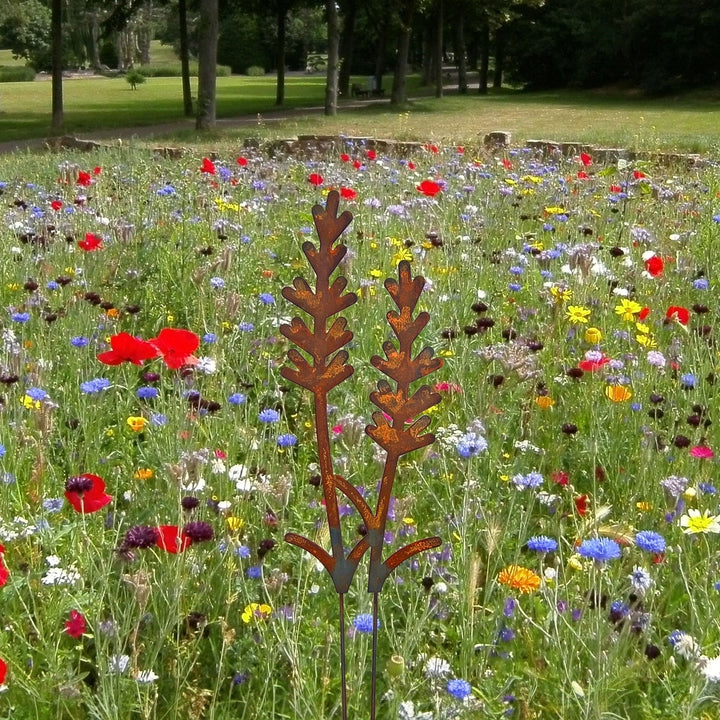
326, 368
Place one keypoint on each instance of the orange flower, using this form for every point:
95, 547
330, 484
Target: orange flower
544, 402
618, 393
519, 578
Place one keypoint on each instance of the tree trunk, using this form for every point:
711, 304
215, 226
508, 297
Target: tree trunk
207, 64
380, 56
427, 45
499, 57
399, 91
94, 41
280, 55
333, 34
57, 65
484, 57
347, 45
145, 33
185, 59
460, 53
439, 50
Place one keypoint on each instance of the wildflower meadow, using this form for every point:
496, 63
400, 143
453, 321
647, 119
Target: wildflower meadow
153, 456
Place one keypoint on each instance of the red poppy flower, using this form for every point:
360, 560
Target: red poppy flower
208, 166
4, 573
56, 205
170, 539
86, 493
177, 347
615, 189
348, 193
411, 165
460, 150
3, 671
654, 266
84, 178
429, 188
678, 314
357, 164
638, 175
507, 164
593, 365
242, 162
76, 626
431, 148
582, 175
90, 243
371, 155
643, 313
345, 157
316, 179
126, 348
581, 504
585, 159
560, 477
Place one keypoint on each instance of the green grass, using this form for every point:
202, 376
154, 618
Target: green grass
6, 58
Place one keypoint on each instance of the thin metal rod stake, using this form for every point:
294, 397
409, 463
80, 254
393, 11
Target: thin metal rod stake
343, 692
373, 676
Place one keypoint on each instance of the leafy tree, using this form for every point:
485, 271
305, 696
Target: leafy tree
25, 30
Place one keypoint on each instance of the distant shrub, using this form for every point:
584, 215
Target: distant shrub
134, 78
255, 71
316, 62
18, 73
176, 70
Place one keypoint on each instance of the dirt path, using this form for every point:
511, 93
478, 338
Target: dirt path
149, 131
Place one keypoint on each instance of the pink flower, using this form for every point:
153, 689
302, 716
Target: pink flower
76, 626
702, 451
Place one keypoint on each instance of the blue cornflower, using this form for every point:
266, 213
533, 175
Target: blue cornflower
52, 505
701, 284
52, 285
707, 488
459, 689
471, 445
268, 415
599, 549
287, 440
506, 634
514, 287
37, 394
542, 544
224, 173
716, 586
716, 218
532, 480
20, 317
147, 392
688, 380
166, 190
2, 450
254, 572
364, 623
243, 552
675, 637
158, 419
237, 399
79, 341
516, 270
217, 283
246, 327
245, 239
509, 609
650, 541
266, 299
209, 338
90, 387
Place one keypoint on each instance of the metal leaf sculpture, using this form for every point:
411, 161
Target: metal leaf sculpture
326, 367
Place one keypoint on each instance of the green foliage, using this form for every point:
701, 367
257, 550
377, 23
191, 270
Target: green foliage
16, 74
255, 71
244, 41
134, 78
316, 62
175, 70
25, 30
